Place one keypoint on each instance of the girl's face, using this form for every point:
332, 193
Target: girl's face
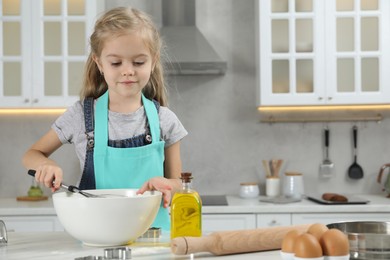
126, 63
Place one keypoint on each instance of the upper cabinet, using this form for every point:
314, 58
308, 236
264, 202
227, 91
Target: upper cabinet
43, 48
316, 52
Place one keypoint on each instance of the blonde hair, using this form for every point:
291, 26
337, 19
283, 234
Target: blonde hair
116, 22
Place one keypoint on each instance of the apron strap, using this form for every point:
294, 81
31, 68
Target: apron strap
152, 115
101, 122
88, 114
87, 181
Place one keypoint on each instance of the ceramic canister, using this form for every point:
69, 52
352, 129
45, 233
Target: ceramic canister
293, 185
249, 190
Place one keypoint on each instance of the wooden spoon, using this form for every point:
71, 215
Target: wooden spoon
266, 168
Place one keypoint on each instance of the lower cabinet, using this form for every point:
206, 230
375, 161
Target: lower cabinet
211, 222
225, 222
272, 220
327, 218
32, 223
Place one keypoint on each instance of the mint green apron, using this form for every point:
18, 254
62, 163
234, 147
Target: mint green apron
119, 168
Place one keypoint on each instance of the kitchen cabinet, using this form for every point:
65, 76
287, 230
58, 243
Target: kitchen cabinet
315, 52
221, 222
32, 223
272, 220
225, 222
327, 218
43, 49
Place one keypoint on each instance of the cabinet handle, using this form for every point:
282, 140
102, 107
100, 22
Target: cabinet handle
35, 100
26, 100
329, 98
319, 98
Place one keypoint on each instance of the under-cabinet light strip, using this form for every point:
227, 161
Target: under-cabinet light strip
377, 118
322, 108
32, 111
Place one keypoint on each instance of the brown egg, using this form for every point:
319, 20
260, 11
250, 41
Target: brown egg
288, 241
334, 243
307, 246
317, 230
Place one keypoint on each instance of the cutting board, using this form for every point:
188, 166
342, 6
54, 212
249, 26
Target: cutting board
280, 200
28, 198
351, 200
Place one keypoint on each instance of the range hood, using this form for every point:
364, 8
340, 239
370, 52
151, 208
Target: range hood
189, 51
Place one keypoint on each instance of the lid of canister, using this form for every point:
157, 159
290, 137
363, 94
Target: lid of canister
293, 174
248, 183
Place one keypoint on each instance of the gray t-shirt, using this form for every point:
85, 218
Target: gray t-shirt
70, 127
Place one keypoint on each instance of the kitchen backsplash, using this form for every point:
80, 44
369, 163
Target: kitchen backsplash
226, 141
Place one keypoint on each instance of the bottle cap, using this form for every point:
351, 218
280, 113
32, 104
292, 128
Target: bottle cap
186, 176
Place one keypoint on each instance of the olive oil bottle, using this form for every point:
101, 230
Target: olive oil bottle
186, 210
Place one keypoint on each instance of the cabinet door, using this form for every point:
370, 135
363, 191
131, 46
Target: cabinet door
32, 224
224, 222
327, 218
45, 48
315, 52
15, 58
291, 40
272, 220
357, 57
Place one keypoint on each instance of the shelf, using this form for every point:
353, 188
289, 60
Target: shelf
308, 114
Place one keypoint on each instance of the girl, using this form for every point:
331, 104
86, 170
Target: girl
124, 135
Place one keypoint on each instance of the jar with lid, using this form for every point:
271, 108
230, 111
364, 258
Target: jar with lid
293, 185
249, 190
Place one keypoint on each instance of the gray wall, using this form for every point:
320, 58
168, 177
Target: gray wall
226, 141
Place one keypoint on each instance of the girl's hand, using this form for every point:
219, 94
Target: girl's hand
160, 184
50, 175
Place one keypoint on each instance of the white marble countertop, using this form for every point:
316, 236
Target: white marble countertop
236, 205
61, 246
13, 207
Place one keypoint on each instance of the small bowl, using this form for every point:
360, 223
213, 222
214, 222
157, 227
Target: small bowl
249, 190
109, 221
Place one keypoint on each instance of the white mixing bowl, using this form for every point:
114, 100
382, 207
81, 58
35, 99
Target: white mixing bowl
108, 221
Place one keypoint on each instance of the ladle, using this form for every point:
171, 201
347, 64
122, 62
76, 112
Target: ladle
74, 189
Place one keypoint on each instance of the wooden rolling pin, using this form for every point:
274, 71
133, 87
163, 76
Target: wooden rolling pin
234, 242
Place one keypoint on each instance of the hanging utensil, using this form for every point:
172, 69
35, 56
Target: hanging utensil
355, 171
75, 189
326, 168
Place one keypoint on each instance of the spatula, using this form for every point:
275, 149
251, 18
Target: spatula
355, 171
326, 168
